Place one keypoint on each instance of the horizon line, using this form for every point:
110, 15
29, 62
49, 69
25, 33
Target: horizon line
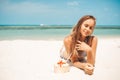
51, 25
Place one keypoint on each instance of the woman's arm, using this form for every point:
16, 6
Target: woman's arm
90, 50
67, 44
91, 53
88, 68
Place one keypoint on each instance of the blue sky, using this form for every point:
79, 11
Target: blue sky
61, 12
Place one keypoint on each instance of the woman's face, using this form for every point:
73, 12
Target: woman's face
87, 27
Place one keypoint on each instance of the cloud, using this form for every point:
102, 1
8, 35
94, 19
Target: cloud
74, 3
25, 8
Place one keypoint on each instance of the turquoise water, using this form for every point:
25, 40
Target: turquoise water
51, 32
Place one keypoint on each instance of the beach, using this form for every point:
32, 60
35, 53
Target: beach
35, 59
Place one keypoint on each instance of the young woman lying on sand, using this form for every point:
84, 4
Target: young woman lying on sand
82, 45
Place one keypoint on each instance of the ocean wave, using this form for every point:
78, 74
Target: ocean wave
31, 27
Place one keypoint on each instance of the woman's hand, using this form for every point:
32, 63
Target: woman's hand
82, 46
89, 69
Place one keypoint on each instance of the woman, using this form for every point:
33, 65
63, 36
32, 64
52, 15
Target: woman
82, 45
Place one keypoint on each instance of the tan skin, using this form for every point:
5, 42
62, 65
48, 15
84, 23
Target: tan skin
87, 28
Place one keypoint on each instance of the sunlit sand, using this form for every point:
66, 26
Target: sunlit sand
35, 59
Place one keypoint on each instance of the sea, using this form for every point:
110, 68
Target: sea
51, 32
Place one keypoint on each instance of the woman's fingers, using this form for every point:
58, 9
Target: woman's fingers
89, 69
90, 72
79, 42
78, 46
90, 65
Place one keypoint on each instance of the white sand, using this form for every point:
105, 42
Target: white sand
34, 60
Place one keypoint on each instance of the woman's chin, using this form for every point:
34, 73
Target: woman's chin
85, 35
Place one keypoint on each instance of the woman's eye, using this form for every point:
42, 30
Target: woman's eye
90, 27
86, 25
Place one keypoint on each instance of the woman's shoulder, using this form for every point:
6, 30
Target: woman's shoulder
68, 39
91, 40
94, 38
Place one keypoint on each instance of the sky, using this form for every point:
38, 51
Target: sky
58, 12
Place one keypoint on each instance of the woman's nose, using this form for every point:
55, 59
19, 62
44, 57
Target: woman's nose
87, 28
